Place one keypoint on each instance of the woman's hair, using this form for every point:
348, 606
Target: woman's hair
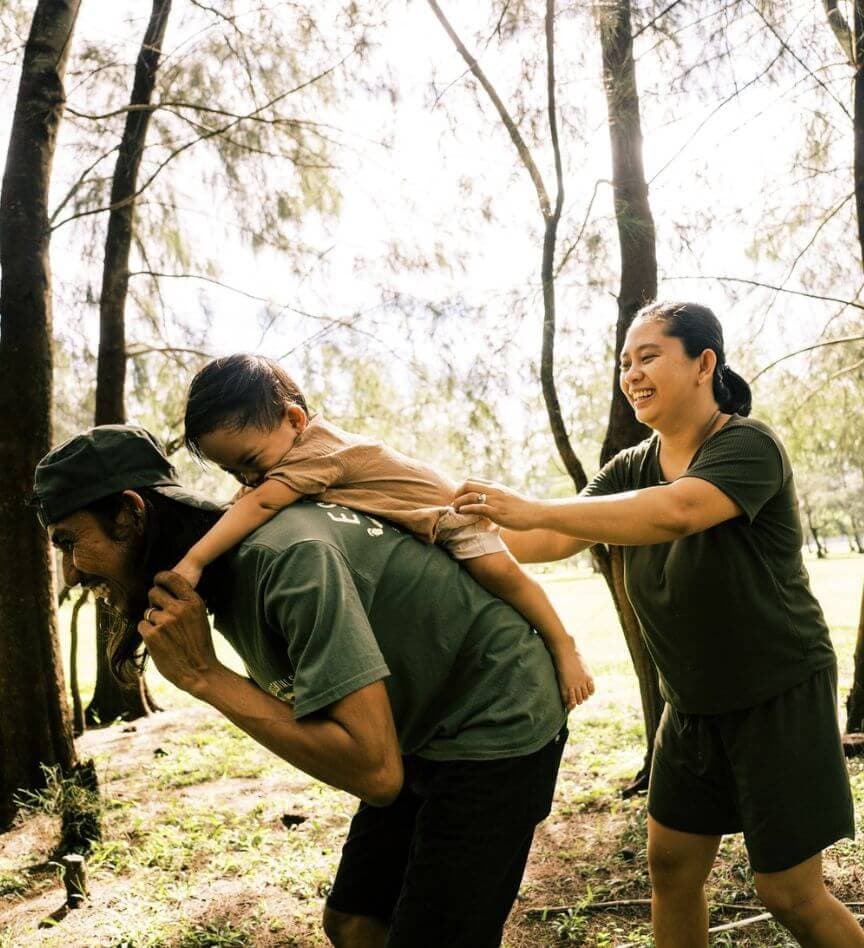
236, 392
699, 329
170, 529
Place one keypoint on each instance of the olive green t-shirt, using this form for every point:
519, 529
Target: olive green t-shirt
323, 600
727, 614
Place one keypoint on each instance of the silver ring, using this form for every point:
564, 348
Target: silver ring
481, 498
147, 614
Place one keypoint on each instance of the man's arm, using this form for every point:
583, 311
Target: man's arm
351, 744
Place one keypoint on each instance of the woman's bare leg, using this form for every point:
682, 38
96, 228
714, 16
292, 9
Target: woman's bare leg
679, 864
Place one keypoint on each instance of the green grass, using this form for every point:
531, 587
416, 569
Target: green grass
192, 820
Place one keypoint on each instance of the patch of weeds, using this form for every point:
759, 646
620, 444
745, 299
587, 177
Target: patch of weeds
217, 934
13, 883
209, 754
7, 937
613, 935
74, 797
571, 927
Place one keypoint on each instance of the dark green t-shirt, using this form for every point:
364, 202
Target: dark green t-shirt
322, 601
727, 614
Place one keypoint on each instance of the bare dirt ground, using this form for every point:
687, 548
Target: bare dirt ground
209, 840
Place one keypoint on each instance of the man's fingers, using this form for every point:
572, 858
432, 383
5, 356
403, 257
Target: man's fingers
176, 585
159, 598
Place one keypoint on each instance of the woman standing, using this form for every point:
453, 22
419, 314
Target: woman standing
749, 741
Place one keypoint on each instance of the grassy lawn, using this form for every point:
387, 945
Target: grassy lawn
210, 840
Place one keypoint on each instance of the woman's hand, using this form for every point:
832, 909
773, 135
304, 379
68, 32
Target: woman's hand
177, 634
498, 503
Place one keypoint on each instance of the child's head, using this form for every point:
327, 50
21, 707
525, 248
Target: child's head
243, 412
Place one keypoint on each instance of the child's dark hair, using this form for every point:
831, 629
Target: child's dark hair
235, 392
699, 329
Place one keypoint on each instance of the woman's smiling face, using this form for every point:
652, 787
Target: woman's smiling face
657, 376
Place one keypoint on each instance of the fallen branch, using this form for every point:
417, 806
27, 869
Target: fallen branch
552, 911
729, 926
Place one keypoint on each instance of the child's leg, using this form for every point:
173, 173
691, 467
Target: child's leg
505, 578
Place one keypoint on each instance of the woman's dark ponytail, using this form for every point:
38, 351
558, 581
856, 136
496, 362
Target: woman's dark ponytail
699, 329
731, 391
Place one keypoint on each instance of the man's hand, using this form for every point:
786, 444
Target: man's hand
177, 634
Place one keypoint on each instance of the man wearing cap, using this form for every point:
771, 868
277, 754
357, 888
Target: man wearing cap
375, 664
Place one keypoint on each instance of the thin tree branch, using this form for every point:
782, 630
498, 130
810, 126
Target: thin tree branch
797, 58
77, 185
211, 134
509, 124
659, 16
714, 111
770, 286
135, 349
827, 381
553, 115
797, 352
579, 236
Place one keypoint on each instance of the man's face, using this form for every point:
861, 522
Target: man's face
102, 560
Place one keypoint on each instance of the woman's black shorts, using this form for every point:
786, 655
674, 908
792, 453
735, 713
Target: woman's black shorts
775, 771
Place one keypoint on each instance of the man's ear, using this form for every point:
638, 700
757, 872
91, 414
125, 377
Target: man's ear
132, 512
297, 417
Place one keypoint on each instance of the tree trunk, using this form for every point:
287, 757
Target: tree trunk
34, 715
111, 700
855, 700
858, 122
629, 186
638, 286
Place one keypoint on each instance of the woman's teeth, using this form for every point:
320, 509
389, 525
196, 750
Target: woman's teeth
642, 394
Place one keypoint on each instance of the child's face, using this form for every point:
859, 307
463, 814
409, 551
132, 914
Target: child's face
248, 453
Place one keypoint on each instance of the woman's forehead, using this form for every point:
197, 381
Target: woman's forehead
643, 333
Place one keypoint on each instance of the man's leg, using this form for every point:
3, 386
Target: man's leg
370, 874
798, 899
679, 864
354, 931
471, 842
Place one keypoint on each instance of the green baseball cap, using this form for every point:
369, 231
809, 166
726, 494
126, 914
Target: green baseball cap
105, 460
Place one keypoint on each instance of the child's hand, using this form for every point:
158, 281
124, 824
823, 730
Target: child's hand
189, 571
574, 679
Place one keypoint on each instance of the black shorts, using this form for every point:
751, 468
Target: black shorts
775, 771
443, 863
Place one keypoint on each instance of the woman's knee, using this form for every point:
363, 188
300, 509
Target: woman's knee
794, 904
679, 861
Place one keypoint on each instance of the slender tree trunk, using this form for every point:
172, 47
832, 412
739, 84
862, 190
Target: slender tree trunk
638, 286
111, 700
858, 121
623, 430
34, 715
855, 700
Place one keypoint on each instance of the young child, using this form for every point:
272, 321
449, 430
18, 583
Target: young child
245, 414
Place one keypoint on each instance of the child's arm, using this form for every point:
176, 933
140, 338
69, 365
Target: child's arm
247, 514
505, 578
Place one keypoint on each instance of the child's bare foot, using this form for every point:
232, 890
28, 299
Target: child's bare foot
574, 679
